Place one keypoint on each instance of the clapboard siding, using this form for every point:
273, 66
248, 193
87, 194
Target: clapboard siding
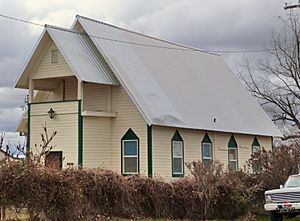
46, 69
97, 142
65, 123
70, 90
71, 85
192, 139
95, 97
128, 116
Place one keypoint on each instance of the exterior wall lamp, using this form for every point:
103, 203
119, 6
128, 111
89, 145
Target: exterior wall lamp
51, 113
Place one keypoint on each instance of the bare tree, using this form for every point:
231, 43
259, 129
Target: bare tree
275, 81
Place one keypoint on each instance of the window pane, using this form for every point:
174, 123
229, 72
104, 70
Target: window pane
130, 148
177, 165
255, 149
232, 154
232, 165
207, 150
130, 165
177, 148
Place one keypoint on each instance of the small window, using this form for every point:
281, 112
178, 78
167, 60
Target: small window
54, 56
207, 152
177, 155
130, 153
256, 164
232, 154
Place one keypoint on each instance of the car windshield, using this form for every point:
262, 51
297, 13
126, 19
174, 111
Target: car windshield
293, 181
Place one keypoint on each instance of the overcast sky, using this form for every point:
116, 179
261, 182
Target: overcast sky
210, 25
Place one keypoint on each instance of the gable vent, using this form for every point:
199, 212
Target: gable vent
54, 56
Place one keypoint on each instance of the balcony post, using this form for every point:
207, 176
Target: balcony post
31, 90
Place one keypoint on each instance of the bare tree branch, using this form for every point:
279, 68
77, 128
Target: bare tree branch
275, 82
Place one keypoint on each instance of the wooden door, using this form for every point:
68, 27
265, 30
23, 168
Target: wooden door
53, 160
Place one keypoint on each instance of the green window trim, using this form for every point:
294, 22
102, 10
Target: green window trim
232, 142
205, 141
149, 150
80, 136
130, 136
232, 145
28, 129
254, 144
177, 138
256, 164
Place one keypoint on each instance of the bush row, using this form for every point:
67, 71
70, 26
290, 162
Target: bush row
82, 194
211, 192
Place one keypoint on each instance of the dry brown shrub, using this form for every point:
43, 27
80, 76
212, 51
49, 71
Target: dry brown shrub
45, 193
105, 192
274, 167
152, 196
186, 202
223, 194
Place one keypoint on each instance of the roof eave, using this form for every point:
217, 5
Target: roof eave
30, 59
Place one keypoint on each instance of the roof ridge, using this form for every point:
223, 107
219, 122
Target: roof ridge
63, 29
147, 36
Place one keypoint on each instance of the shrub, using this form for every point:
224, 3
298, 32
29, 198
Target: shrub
45, 193
274, 167
222, 193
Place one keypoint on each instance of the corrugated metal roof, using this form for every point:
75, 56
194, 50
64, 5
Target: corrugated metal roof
176, 86
83, 58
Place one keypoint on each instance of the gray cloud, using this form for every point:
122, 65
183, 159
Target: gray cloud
210, 25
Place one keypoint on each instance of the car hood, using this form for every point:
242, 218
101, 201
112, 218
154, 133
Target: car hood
283, 190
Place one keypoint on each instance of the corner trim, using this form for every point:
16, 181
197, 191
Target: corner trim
28, 127
80, 136
149, 154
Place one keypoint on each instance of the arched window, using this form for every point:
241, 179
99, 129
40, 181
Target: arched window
206, 149
177, 153
130, 153
256, 166
232, 154
255, 146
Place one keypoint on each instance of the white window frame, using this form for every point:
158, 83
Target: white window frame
177, 157
211, 151
237, 156
130, 156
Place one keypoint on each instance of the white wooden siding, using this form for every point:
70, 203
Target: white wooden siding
70, 90
65, 123
161, 147
46, 69
128, 116
97, 142
95, 97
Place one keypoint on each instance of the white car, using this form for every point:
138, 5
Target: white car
284, 201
